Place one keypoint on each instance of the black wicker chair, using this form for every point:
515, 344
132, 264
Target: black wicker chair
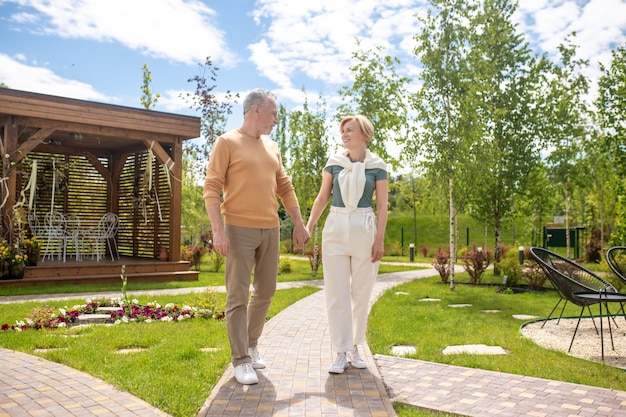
569, 278
616, 258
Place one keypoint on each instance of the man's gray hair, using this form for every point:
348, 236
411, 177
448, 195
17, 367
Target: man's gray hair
256, 96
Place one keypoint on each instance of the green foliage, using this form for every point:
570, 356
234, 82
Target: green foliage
475, 262
208, 305
285, 265
195, 254
379, 94
43, 317
214, 111
303, 139
148, 100
215, 261
394, 249
442, 264
534, 276
510, 267
506, 87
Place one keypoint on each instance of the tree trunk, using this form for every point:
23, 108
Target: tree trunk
452, 234
496, 251
567, 239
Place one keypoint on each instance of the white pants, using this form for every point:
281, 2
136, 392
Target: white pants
349, 274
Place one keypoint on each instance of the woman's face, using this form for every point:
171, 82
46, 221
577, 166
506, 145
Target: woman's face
352, 136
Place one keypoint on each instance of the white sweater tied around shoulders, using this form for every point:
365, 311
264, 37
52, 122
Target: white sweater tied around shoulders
352, 177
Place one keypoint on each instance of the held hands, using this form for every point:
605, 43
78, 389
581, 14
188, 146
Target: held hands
301, 236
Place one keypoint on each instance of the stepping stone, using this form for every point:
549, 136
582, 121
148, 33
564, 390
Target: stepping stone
459, 305
524, 317
131, 350
94, 318
209, 349
491, 311
401, 293
45, 350
403, 350
430, 299
474, 350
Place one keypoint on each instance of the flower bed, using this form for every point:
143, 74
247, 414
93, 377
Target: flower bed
127, 311
46, 317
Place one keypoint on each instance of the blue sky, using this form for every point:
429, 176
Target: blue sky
95, 49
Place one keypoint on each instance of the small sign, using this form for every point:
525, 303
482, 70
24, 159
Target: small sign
559, 219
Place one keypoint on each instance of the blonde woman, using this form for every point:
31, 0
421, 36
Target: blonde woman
352, 238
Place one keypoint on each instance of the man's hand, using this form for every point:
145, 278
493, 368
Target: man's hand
221, 244
300, 236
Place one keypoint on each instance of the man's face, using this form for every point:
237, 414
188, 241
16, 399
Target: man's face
267, 116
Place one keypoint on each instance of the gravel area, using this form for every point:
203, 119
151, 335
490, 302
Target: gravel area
587, 344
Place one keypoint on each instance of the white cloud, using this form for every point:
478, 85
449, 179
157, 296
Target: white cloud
19, 76
179, 30
317, 39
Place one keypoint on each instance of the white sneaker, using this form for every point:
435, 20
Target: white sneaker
355, 359
257, 361
245, 374
340, 365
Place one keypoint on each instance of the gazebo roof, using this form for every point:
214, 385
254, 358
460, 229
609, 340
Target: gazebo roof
81, 124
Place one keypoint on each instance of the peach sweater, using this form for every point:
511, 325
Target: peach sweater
250, 173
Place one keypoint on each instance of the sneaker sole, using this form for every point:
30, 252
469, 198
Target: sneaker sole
359, 366
247, 382
256, 365
333, 370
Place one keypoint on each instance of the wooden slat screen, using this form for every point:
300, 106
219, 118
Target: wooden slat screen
145, 233
81, 191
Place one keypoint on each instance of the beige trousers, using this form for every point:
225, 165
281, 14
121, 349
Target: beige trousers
250, 249
349, 274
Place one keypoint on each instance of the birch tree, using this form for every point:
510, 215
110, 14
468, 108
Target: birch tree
507, 84
378, 93
611, 105
445, 133
569, 122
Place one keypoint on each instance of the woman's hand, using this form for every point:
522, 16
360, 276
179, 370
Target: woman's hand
378, 250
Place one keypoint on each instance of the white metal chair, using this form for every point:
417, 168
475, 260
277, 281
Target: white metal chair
103, 236
71, 234
36, 228
53, 233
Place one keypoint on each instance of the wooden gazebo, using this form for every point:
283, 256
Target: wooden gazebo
89, 159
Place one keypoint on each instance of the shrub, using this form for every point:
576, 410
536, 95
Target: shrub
476, 263
215, 261
534, 275
395, 249
285, 265
593, 248
424, 250
442, 264
207, 305
510, 266
287, 246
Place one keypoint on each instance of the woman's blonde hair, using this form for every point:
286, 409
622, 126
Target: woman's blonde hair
364, 123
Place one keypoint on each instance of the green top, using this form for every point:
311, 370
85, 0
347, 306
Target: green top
371, 176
